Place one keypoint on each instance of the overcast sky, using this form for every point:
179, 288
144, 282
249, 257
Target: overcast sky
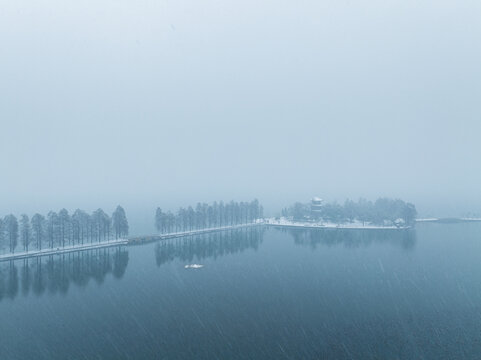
173, 102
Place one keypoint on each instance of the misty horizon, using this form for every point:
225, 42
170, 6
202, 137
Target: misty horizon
240, 179
150, 105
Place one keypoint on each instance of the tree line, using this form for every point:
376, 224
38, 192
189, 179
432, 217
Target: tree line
383, 211
208, 216
60, 229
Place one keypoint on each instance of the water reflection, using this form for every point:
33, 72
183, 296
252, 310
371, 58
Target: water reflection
406, 239
55, 273
211, 245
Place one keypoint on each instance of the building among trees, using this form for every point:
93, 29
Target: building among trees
316, 208
384, 212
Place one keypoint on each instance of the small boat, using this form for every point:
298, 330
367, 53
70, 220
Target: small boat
193, 266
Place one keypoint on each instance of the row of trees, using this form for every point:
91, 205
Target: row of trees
59, 229
208, 216
383, 211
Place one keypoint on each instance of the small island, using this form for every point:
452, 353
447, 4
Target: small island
384, 213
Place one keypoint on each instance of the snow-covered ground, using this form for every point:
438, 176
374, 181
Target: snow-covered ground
322, 225
193, 232
60, 250
201, 231
96, 245
445, 219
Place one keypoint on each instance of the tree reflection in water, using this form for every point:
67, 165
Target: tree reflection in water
211, 245
55, 273
405, 238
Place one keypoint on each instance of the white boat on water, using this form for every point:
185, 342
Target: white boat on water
193, 266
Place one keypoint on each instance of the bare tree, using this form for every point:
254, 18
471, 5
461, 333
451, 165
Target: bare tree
25, 231
11, 227
120, 223
38, 229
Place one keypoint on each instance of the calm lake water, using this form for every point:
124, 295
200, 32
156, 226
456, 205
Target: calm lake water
261, 294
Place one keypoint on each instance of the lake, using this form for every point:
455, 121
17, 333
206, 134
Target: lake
262, 293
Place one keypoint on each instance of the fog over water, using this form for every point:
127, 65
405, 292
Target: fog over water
168, 103
262, 293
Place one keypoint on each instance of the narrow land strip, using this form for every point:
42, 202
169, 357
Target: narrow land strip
63, 250
326, 225
119, 242
148, 238
155, 237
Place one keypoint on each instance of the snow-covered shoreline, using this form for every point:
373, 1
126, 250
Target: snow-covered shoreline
117, 242
327, 225
62, 250
154, 237
454, 219
146, 238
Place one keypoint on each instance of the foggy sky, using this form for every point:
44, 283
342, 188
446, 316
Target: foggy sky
148, 103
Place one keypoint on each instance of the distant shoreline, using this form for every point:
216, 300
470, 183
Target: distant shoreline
327, 225
267, 222
360, 226
448, 220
